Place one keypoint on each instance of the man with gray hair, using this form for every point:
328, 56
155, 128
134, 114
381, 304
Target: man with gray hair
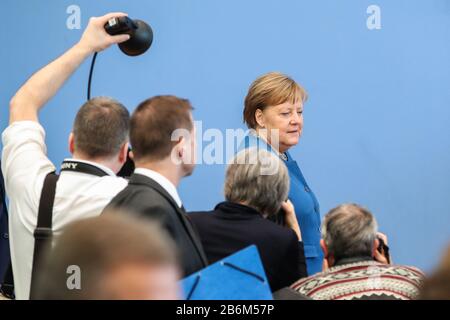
357, 262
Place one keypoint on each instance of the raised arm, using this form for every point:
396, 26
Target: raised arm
45, 83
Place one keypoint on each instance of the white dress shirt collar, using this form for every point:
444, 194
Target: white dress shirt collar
162, 181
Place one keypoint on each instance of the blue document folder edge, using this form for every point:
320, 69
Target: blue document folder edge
239, 276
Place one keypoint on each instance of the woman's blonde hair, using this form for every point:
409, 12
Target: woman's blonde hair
271, 89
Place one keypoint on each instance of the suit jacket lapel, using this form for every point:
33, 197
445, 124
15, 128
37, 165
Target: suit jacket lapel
193, 236
144, 180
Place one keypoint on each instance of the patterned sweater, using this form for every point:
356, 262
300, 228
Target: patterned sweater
362, 280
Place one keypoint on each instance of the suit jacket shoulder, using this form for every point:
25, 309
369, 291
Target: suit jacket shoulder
143, 200
146, 198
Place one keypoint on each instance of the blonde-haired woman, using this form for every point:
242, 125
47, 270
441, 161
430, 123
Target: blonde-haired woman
274, 110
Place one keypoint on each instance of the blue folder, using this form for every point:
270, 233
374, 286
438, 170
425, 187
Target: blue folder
239, 276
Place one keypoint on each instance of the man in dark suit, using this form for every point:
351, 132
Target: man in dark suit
163, 138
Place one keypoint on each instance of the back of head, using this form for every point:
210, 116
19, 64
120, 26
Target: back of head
257, 178
437, 286
114, 256
153, 124
101, 128
349, 231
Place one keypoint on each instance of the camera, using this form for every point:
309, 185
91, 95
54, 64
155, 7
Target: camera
383, 249
141, 35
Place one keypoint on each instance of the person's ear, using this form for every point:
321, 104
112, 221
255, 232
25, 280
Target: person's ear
180, 148
324, 248
259, 118
325, 262
183, 146
123, 153
71, 143
376, 243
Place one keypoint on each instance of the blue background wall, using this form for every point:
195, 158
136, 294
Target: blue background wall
376, 124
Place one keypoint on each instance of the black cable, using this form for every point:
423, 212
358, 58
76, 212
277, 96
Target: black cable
90, 76
128, 167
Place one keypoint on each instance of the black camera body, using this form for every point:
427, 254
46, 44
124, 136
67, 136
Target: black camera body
120, 25
141, 35
383, 249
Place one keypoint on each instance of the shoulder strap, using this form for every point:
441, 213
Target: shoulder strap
43, 231
7, 285
76, 166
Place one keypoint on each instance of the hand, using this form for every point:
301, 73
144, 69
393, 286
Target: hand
381, 256
383, 237
291, 218
95, 38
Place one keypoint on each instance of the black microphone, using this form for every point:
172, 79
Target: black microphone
141, 34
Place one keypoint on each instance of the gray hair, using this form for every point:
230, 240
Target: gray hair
247, 180
349, 230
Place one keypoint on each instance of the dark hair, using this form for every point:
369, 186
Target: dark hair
153, 123
98, 245
101, 127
